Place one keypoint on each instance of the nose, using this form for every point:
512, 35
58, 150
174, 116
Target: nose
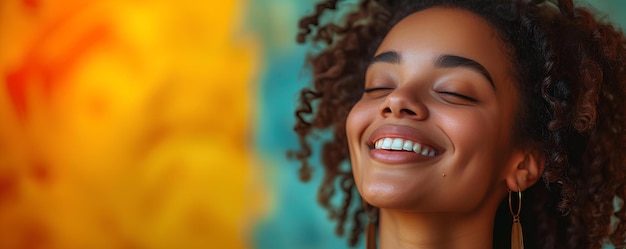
404, 103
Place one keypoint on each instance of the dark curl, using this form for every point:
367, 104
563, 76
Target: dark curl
571, 75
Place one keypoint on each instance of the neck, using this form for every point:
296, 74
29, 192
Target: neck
411, 230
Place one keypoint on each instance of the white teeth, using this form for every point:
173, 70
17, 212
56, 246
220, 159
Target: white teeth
406, 145
397, 144
417, 148
386, 143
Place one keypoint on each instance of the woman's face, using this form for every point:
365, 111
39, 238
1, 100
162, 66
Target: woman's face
433, 130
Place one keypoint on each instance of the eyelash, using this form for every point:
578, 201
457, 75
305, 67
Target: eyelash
473, 100
470, 99
373, 89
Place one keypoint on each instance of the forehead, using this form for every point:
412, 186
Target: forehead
434, 31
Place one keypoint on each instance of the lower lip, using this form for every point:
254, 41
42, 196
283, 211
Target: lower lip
398, 157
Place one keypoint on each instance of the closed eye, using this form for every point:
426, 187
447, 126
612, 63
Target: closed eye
373, 89
377, 92
461, 96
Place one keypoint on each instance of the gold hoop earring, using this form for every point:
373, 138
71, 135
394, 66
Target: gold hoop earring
517, 237
370, 231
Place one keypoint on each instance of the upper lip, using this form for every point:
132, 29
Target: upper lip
404, 132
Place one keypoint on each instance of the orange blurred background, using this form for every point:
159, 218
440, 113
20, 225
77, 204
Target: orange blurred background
124, 124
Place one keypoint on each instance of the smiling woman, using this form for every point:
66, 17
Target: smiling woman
440, 122
462, 126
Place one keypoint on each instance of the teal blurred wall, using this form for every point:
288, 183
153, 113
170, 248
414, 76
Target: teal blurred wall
295, 220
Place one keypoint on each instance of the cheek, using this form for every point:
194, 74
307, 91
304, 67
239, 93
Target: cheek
476, 159
357, 121
481, 145
468, 129
479, 139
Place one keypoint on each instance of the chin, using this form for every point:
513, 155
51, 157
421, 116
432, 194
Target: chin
388, 196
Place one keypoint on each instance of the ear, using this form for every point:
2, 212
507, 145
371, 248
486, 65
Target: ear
525, 169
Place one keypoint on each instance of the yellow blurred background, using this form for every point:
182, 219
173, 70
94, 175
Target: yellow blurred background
125, 124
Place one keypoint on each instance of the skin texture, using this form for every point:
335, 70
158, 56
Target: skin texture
448, 200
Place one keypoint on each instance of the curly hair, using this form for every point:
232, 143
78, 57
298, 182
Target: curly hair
571, 73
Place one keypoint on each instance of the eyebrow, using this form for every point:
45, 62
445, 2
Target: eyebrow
387, 57
452, 61
441, 61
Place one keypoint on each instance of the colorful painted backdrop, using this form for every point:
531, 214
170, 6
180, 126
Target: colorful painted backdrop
155, 124
127, 124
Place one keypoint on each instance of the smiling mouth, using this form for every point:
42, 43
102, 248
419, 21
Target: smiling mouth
399, 144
